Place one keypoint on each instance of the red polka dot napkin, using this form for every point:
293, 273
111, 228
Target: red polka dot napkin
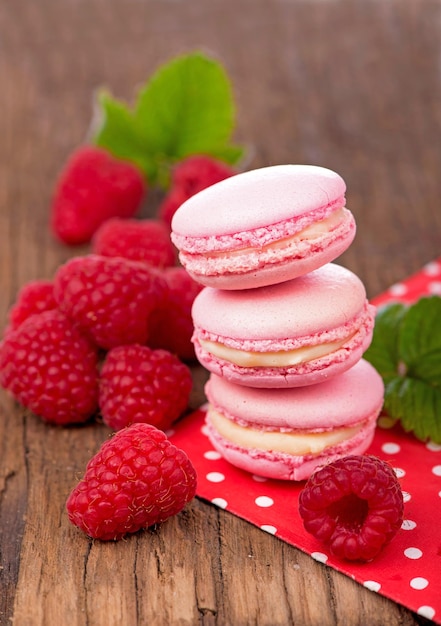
408, 570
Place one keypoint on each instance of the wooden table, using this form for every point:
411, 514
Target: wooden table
351, 85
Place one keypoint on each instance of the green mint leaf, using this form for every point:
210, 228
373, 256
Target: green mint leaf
187, 108
117, 132
417, 405
420, 340
406, 351
230, 154
383, 351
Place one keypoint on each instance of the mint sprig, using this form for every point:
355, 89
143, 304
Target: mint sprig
406, 351
185, 108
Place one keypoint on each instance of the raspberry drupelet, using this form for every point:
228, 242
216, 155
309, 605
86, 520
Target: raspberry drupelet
36, 296
93, 187
51, 368
137, 479
172, 324
353, 505
190, 176
147, 241
138, 384
109, 298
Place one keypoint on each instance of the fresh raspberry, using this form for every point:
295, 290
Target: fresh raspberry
354, 505
142, 385
139, 240
93, 187
109, 298
172, 325
190, 176
137, 479
34, 297
51, 368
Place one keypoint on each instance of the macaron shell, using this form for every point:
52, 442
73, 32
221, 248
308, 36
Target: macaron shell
308, 373
283, 270
282, 466
258, 198
338, 402
321, 300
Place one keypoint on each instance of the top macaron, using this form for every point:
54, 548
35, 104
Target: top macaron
263, 227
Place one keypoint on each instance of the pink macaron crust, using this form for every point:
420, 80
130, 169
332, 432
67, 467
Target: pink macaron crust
238, 333
254, 229
345, 407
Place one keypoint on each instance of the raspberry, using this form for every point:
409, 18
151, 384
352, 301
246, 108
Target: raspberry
172, 325
171, 204
138, 478
142, 385
109, 298
34, 297
139, 240
354, 505
93, 187
188, 178
51, 369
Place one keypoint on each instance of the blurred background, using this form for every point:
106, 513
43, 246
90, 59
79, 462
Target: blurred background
351, 85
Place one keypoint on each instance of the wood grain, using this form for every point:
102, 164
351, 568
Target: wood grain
351, 85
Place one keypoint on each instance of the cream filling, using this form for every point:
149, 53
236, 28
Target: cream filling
297, 443
281, 358
313, 231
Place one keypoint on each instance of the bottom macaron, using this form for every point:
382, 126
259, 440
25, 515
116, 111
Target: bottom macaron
288, 433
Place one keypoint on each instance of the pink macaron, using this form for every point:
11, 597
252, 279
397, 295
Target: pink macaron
263, 226
295, 333
288, 433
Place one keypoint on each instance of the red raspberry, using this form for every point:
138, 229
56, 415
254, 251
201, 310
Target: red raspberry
110, 299
51, 369
93, 187
172, 325
188, 178
138, 478
139, 240
34, 297
142, 385
354, 505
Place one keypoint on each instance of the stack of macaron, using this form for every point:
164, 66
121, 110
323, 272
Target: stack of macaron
281, 328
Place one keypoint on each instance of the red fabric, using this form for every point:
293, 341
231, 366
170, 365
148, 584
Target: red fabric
408, 570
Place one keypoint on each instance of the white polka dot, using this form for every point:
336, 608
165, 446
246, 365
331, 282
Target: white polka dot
204, 430
269, 529
433, 447
436, 470
259, 479
426, 611
413, 553
434, 287
408, 524
399, 289
220, 502
432, 268
319, 556
390, 448
372, 585
399, 472
439, 493
215, 477
406, 496
264, 501
386, 422
419, 583
212, 455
